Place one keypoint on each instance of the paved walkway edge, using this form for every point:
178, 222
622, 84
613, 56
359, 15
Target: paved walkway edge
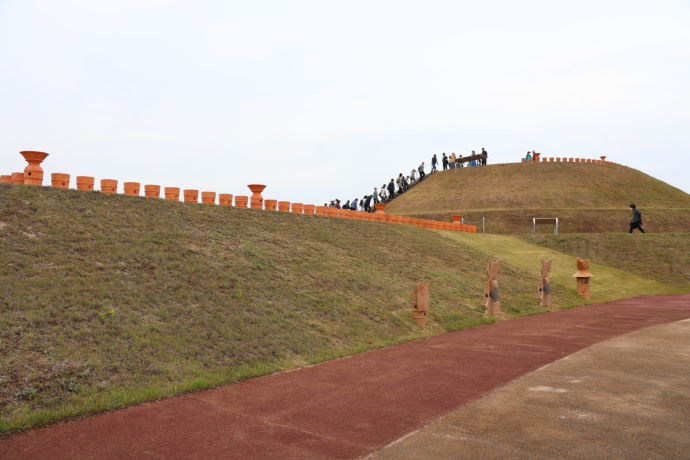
348, 407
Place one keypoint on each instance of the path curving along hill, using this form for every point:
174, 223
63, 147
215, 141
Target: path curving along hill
111, 300
587, 198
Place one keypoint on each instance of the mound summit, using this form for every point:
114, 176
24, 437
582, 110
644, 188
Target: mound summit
587, 198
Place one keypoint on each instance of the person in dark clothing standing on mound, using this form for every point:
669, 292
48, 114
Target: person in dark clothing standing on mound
434, 162
636, 221
391, 190
445, 162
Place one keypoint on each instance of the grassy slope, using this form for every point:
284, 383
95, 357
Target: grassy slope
608, 284
663, 257
586, 197
111, 300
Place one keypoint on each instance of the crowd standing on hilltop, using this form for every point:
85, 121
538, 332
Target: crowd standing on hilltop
389, 190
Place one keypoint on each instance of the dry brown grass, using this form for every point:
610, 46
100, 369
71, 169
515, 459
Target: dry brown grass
585, 197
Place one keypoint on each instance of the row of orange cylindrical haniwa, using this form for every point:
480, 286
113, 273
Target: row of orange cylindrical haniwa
540, 159
33, 175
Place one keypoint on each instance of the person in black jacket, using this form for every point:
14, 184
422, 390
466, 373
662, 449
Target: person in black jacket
445, 162
636, 221
434, 162
486, 157
391, 190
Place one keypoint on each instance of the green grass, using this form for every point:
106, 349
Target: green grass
110, 300
607, 284
585, 197
663, 257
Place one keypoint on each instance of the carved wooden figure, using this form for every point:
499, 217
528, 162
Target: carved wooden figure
545, 284
420, 303
583, 275
491, 291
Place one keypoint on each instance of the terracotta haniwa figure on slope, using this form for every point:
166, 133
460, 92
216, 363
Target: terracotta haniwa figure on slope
491, 292
545, 284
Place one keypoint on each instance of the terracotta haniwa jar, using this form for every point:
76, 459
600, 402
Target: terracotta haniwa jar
284, 206
257, 201
331, 212
108, 185
208, 197
191, 196
241, 201
85, 182
132, 188
6, 179
60, 180
582, 276
321, 210
17, 178
380, 208
225, 199
309, 209
152, 191
33, 173
172, 193
297, 208
271, 205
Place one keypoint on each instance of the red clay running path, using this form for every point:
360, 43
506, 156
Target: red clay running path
349, 407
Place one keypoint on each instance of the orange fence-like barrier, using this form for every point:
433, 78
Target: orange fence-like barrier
33, 175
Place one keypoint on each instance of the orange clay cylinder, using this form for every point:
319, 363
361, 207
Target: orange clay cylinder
17, 178
60, 180
284, 206
208, 197
380, 208
309, 209
132, 188
256, 201
191, 196
85, 182
108, 185
241, 201
33, 173
172, 193
322, 211
6, 179
225, 199
297, 208
152, 191
331, 212
271, 205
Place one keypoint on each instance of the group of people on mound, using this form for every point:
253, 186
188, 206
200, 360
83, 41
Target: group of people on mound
402, 183
386, 193
456, 161
532, 156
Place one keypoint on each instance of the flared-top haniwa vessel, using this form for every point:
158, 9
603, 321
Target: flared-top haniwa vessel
33, 173
256, 201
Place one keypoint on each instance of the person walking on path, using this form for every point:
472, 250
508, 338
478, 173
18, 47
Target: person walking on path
434, 162
445, 162
376, 196
486, 156
636, 221
421, 171
391, 189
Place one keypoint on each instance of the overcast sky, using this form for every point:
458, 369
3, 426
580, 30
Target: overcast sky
322, 99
